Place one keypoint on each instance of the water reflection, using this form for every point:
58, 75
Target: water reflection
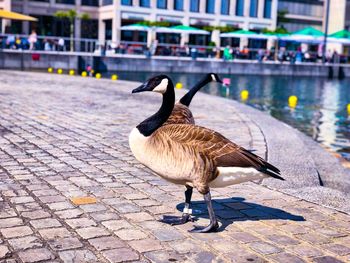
321, 111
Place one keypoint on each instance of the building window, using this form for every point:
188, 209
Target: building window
225, 7
126, 2
145, 3
267, 9
67, 2
253, 12
89, 2
240, 8
107, 2
162, 4
179, 4
210, 8
194, 6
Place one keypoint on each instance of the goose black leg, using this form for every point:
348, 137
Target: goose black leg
213, 225
187, 212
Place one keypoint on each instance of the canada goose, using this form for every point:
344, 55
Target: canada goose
181, 114
191, 155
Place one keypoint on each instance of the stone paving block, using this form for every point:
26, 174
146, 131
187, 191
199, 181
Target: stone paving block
92, 231
104, 216
45, 223
264, 248
145, 245
120, 255
51, 199
53, 233
314, 238
130, 234
4, 251
164, 234
7, 213
282, 240
326, 259
18, 231
93, 208
22, 199
115, 225
165, 256
286, 257
60, 205
37, 214
139, 217
70, 213
35, 255
104, 243
305, 251
244, 237
23, 243
9, 222
80, 222
28, 207
125, 208
338, 249
72, 256
158, 210
65, 243
205, 257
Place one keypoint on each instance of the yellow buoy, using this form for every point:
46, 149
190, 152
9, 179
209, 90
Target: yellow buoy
348, 108
71, 72
98, 75
59, 71
292, 101
50, 70
114, 77
244, 95
178, 85
84, 74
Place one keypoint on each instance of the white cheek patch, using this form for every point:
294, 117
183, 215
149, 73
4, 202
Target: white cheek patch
161, 88
213, 77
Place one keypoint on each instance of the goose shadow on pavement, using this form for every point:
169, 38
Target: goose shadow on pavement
230, 210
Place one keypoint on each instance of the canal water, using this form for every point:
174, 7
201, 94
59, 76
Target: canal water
321, 111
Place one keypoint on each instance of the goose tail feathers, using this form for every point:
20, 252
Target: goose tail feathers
264, 166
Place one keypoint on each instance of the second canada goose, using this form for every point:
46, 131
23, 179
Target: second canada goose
181, 113
191, 155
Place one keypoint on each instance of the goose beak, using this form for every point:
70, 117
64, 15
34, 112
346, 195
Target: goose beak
219, 80
142, 88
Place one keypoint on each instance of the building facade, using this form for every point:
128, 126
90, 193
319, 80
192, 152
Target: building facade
107, 16
298, 14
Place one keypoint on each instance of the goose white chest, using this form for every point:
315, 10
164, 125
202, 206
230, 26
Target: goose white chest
160, 160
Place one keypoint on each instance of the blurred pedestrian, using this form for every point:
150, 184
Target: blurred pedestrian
61, 44
32, 39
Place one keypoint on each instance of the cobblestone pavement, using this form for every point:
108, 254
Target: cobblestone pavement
65, 138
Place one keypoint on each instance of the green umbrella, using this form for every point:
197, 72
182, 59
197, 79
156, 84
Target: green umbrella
308, 34
189, 30
247, 34
342, 36
136, 27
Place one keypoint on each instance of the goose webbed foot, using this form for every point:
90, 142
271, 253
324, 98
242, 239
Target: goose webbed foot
213, 225
175, 220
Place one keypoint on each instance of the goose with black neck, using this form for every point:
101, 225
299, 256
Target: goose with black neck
190, 155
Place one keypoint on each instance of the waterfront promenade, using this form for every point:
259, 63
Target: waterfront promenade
71, 191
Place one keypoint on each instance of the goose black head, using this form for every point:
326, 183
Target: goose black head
157, 84
214, 77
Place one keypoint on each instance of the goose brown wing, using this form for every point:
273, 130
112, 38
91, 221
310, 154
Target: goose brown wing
217, 148
181, 114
